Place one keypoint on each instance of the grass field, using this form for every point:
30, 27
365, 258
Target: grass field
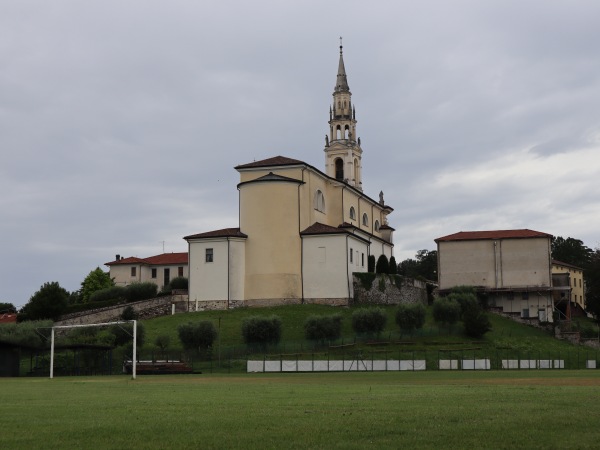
524, 409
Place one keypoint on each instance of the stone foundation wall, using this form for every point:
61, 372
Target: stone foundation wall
389, 290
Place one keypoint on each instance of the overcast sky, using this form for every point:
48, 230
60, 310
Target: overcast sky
121, 121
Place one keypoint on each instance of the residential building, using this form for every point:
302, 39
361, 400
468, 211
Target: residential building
158, 269
512, 266
570, 298
302, 231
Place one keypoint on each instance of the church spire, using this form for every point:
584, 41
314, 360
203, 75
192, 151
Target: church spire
342, 147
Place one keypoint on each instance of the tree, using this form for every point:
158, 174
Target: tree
369, 321
50, 302
410, 317
592, 276
261, 331
571, 251
393, 268
96, 280
423, 266
323, 328
446, 311
197, 336
7, 308
129, 313
371, 263
383, 266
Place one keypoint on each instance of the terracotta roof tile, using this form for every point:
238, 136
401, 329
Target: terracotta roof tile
274, 161
321, 228
561, 263
158, 260
225, 232
8, 318
495, 234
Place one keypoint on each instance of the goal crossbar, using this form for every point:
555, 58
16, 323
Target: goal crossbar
104, 324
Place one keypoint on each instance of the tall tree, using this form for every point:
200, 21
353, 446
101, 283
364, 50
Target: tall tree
96, 280
48, 303
423, 266
592, 277
571, 251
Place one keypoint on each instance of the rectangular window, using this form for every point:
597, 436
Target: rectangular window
167, 273
153, 273
133, 271
580, 282
525, 296
180, 271
351, 255
362, 259
209, 255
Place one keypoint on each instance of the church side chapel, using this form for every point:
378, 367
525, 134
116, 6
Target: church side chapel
302, 232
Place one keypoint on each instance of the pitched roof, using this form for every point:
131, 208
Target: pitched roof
274, 161
562, 263
271, 177
321, 228
225, 232
495, 234
157, 260
8, 318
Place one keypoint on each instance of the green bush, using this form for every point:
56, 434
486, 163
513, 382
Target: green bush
108, 294
140, 291
179, 283
261, 331
129, 313
197, 336
371, 263
123, 333
383, 266
368, 321
446, 311
475, 320
323, 328
366, 279
410, 317
393, 267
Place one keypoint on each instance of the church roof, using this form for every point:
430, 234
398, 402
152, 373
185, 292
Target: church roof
225, 232
272, 177
320, 228
274, 161
341, 84
494, 234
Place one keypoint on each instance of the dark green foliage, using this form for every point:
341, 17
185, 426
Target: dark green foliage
474, 318
111, 293
123, 333
571, 251
7, 308
382, 283
393, 267
179, 283
368, 321
383, 266
410, 317
129, 313
371, 263
261, 331
197, 336
33, 333
446, 311
323, 328
49, 302
96, 280
162, 341
424, 266
140, 291
366, 279
592, 276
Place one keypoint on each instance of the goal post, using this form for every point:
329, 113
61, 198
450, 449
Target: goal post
104, 324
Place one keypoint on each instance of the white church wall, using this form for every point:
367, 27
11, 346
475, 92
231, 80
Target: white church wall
208, 280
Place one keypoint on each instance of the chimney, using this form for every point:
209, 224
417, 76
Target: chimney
118, 257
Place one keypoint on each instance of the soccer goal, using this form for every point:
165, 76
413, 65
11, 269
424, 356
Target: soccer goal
105, 324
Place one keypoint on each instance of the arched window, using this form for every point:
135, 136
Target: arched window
377, 225
346, 132
338, 132
339, 169
352, 213
319, 201
365, 220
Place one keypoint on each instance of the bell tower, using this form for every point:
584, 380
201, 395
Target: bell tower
342, 146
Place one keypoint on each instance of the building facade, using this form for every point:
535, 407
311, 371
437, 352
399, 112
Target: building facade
512, 266
302, 231
158, 269
570, 298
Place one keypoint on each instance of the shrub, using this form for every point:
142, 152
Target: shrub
123, 333
261, 331
323, 328
197, 335
410, 317
446, 311
140, 291
368, 321
371, 263
383, 265
179, 283
128, 313
366, 279
393, 268
475, 320
162, 341
105, 295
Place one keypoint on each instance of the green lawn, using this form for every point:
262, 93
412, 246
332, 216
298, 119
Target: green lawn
536, 409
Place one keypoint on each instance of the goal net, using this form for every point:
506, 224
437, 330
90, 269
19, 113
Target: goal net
104, 324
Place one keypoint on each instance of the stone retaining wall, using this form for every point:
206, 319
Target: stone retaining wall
389, 290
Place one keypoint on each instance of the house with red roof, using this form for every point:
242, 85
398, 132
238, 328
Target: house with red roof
514, 267
302, 232
158, 269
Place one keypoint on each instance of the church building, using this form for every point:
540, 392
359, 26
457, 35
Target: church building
302, 231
